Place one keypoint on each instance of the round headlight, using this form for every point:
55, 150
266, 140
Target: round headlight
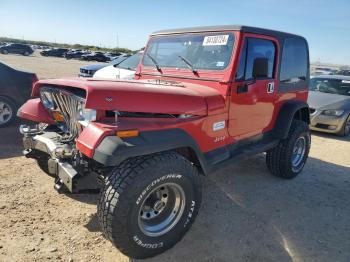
47, 100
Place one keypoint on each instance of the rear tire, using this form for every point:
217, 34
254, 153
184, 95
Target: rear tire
149, 202
288, 158
5, 52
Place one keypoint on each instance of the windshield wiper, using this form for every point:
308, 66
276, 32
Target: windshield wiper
154, 62
189, 65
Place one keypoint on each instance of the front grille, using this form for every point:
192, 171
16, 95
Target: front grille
68, 105
87, 72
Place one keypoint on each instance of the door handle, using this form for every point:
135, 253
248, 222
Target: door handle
242, 89
270, 87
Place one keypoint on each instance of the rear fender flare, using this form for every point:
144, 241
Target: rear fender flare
289, 111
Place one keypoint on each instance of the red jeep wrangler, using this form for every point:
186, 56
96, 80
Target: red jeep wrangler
201, 97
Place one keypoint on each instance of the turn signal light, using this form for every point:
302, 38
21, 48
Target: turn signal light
57, 116
127, 133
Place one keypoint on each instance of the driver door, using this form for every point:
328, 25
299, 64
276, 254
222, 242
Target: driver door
253, 93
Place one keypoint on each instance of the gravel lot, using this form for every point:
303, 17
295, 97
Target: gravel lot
246, 215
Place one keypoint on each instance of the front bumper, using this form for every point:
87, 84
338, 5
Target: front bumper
328, 124
37, 143
85, 75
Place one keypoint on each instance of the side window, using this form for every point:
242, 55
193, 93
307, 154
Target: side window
294, 64
255, 48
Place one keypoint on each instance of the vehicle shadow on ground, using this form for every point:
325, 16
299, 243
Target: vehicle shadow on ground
88, 197
10, 141
93, 224
249, 215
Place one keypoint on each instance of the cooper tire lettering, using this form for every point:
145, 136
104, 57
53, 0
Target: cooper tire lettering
146, 245
190, 213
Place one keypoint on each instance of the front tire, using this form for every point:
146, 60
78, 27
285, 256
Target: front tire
149, 202
8, 111
345, 131
288, 158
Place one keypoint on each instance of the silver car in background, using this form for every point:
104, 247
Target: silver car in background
329, 101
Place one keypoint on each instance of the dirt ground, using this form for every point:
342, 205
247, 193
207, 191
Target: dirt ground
246, 215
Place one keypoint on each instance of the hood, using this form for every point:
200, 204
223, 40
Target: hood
94, 67
113, 72
324, 100
150, 96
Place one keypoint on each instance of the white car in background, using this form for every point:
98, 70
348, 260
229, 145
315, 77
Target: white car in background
124, 70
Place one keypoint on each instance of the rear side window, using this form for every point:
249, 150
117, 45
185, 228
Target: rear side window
255, 48
294, 64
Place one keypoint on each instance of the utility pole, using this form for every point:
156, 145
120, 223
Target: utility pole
117, 41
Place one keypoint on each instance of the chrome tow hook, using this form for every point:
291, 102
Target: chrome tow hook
58, 185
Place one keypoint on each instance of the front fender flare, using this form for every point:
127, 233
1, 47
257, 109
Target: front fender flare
113, 150
34, 110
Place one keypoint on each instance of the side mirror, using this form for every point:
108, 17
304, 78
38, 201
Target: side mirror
260, 67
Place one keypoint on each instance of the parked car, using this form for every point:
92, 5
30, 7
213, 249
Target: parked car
218, 93
111, 56
123, 70
97, 56
15, 89
16, 49
75, 54
323, 71
329, 100
90, 70
57, 52
345, 72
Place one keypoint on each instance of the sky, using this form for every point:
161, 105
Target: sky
107, 23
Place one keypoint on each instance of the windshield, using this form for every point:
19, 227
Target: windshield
333, 86
118, 60
131, 62
210, 51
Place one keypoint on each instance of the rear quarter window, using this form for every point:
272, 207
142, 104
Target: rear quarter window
294, 70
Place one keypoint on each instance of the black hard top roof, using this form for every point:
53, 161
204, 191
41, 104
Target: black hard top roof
242, 28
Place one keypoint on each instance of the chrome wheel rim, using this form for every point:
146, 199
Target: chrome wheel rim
5, 113
162, 209
298, 153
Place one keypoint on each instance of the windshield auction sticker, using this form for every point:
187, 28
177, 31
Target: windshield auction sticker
215, 40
